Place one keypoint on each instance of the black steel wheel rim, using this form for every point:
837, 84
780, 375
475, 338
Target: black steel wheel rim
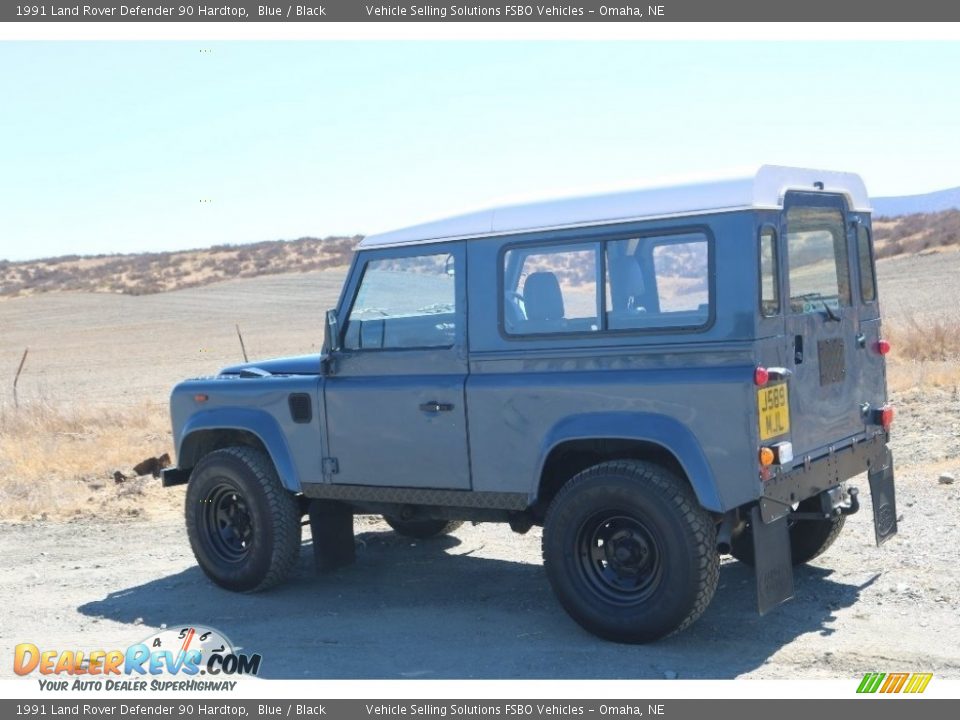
620, 557
227, 524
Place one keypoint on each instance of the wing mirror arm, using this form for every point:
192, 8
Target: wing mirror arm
331, 343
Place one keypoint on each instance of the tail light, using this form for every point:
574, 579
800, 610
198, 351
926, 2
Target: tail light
882, 346
761, 376
884, 416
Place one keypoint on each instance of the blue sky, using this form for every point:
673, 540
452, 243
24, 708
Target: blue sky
111, 147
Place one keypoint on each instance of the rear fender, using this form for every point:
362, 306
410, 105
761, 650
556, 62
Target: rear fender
660, 430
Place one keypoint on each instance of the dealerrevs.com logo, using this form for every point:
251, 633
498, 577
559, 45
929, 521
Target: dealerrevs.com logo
186, 658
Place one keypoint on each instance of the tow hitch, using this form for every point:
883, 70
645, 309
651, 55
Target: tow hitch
832, 504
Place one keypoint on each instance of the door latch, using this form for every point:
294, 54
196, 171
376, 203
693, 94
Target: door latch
433, 406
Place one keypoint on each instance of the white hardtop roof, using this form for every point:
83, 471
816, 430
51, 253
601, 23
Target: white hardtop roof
765, 190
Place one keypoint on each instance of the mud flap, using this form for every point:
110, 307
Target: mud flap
883, 496
771, 558
331, 525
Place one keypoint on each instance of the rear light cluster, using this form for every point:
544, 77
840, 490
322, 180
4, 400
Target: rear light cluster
761, 376
882, 346
780, 453
883, 416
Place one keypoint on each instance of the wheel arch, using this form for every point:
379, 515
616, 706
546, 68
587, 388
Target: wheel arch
212, 430
581, 441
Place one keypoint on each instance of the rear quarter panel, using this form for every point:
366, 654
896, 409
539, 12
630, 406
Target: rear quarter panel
523, 392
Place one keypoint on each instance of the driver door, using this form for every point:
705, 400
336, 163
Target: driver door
396, 415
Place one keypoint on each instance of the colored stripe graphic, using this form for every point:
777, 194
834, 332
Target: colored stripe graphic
894, 682
870, 682
918, 682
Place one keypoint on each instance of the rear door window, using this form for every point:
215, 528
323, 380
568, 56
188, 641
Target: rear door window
817, 257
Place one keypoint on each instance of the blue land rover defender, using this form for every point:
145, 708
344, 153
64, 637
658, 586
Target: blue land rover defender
656, 377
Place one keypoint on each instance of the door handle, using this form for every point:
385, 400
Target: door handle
434, 406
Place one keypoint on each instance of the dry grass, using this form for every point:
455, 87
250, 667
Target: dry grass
924, 353
58, 461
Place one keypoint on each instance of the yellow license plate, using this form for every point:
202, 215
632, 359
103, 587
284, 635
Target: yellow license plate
774, 409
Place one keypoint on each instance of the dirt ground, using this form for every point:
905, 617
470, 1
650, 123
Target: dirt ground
476, 604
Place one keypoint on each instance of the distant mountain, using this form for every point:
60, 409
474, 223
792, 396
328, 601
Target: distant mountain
910, 204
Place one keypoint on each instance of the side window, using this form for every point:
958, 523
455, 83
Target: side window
405, 302
868, 281
817, 256
769, 277
646, 283
551, 289
661, 281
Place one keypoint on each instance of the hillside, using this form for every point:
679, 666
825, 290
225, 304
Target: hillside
149, 273
921, 232
933, 202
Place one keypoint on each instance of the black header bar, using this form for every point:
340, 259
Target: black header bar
484, 11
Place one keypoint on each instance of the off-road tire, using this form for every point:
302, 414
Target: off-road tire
808, 538
422, 529
629, 552
245, 479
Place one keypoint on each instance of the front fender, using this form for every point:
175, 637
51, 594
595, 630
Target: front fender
667, 432
256, 422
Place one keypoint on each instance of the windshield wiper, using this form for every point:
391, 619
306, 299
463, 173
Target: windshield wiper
830, 313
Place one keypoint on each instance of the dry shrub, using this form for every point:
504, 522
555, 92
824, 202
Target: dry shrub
924, 353
59, 461
936, 339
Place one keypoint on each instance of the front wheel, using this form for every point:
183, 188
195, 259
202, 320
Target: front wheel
243, 525
629, 552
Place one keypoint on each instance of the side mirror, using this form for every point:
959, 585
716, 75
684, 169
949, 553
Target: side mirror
331, 339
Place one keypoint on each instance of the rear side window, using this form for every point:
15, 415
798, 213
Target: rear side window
645, 283
405, 302
658, 282
817, 257
553, 289
868, 281
769, 278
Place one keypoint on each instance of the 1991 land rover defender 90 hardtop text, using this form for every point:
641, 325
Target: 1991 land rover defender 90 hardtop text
657, 377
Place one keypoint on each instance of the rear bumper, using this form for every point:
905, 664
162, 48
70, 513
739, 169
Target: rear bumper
812, 478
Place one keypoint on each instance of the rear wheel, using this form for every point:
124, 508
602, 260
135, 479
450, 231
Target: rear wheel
243, 525
422, 529
629, 552
808, 538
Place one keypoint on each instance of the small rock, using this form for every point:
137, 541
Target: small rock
947, 478
96, 486
670, 674
118, 477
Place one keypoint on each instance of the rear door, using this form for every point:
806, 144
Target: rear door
821, 322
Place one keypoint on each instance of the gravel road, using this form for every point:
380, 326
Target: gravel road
477, 604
